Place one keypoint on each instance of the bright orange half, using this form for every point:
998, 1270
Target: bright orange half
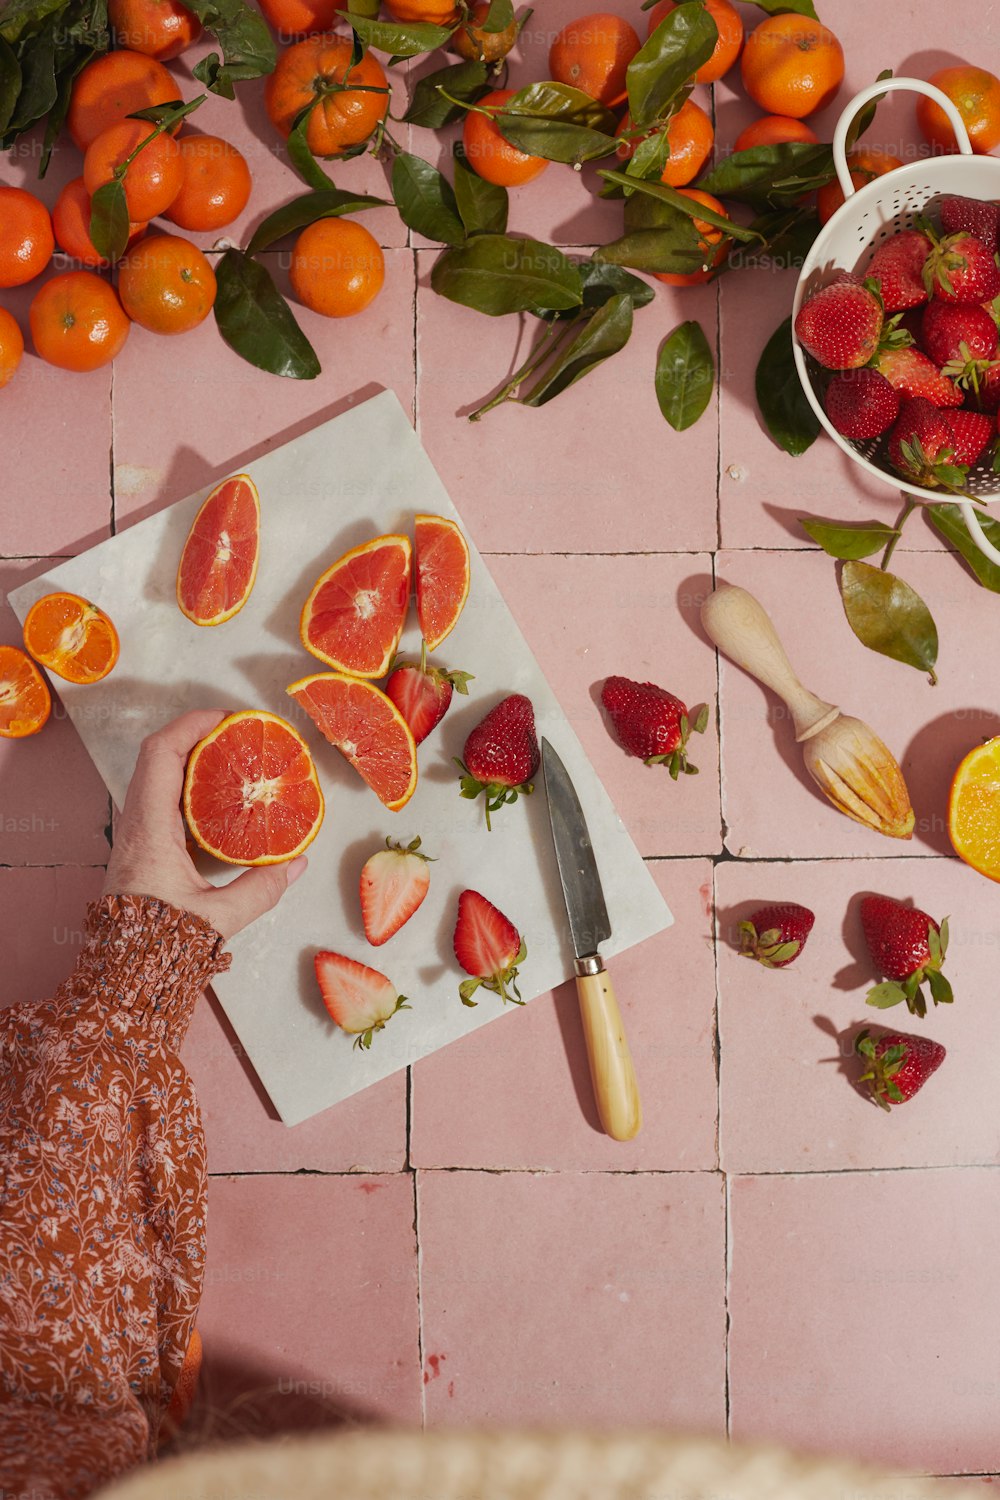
974, 809
251, 794
442, 569
354, 617
218, 566
72, 637
368, 730
25, 700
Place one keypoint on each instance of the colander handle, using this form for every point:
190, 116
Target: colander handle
976, 531
875, 91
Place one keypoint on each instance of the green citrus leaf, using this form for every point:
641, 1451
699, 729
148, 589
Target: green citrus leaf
18, 16
847, 542
497, 274
330, 203
688, 206
401, 40
683, 40
425, 200
604, 334
465, 81
248, 49
558, 122
787, 414
10, 83
864, 118
771, 176
499, 16
602, 281
109, 222
300, 152
888, 616
685, 376
949, 521
256, 321
482, 206
779, 7
673, 248
38, 89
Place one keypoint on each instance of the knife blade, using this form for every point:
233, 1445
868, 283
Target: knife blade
611, 1069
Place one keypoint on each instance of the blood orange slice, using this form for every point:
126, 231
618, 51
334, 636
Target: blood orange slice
442, 569
354, 617
368, 730
72, 637
251, 794
218, 566
25, 700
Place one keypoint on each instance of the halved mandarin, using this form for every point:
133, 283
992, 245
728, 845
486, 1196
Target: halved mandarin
71, 637
25, 700
441, 564
251, 793
368, 730
974, 809
218, 567
354, 617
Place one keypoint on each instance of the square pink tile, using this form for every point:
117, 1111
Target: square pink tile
597, 469
645, 626
817, 1263
771, 806
53, 804
521, 1096
788, 1101
216, 412
43, 933
309, 1313
611, 1287
364, 1134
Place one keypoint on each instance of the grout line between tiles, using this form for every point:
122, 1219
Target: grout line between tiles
420, 1302
727, 1175
416, 346
727, 1282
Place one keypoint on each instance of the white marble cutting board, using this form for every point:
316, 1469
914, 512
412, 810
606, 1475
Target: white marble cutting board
361, 474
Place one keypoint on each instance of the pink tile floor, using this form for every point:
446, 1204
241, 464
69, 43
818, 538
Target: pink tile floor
771, 1257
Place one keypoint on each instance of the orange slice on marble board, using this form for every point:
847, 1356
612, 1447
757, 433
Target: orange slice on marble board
71, 637
354, 617
368, 730
218, 566
25, 700
441, 565
251, 793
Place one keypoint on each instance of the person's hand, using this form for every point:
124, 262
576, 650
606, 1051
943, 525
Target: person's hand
150, 856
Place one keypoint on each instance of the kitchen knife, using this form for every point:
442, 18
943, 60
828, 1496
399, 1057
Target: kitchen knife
611, 1070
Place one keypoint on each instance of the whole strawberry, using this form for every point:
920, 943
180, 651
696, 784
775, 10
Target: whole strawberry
897, 266
776, 935
861, 403
651, 723
423, 693
960, 268
922, 446
972, 432
913, 373
841, 325
973, 215
907, 947
956, 333
501, 754
897, 1065
489, 947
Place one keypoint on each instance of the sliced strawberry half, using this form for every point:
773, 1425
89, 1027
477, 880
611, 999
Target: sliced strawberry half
359, 999
423, 693
393, 884
489, 947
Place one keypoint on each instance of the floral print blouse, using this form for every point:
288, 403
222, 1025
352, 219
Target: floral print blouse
102, 1200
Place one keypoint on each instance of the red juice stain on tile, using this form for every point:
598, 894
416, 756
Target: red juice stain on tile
435, 1361
705, 892
451, 1388
370, 1187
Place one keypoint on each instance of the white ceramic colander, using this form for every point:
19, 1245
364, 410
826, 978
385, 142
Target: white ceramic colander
868, 216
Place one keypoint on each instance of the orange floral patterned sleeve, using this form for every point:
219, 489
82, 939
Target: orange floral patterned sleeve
102, 1201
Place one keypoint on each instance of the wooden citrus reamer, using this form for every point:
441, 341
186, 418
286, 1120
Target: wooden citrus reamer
845, 758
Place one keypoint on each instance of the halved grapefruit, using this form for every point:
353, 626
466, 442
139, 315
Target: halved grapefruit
354, 617
71, 637
218, 566
251, 793
368, 730
25, 700
442, 569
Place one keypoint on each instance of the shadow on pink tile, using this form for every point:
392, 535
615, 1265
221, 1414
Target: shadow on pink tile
366, 1133
44, 934
520, 1096
788, 1097
309, 1311
817, 1263
611, 1291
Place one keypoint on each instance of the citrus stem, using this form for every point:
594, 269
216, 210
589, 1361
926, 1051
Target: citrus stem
476, 109
167, 123
910, 505
547, 344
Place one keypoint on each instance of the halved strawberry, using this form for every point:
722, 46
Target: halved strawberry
422, 693
393, 884
359, 999
489, 947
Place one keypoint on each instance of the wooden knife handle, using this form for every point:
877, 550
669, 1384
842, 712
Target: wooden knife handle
611, 1069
